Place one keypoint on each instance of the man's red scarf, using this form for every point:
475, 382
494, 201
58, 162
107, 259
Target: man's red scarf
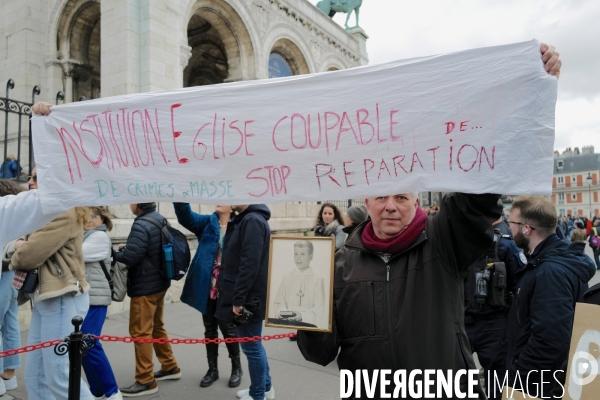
397, 243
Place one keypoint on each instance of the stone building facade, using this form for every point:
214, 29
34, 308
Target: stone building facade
101, 48
576, 182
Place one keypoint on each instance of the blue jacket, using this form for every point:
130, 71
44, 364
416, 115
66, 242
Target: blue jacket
143, 255
12, 169
206, 227
541, 317
245, 263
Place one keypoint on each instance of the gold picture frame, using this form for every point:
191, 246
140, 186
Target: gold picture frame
300, 283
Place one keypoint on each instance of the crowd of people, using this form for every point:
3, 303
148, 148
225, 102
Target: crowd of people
429, 274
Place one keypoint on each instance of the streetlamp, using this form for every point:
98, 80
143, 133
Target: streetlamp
589, 182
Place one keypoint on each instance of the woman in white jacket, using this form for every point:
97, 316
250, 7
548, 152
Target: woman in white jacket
96, 254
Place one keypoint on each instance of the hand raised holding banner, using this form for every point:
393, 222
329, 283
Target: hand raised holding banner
399, 126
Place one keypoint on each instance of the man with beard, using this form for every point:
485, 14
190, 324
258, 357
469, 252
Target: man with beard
540, 320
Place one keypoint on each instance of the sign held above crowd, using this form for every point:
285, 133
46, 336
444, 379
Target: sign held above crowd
472, 121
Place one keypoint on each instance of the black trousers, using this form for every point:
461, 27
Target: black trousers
487, 337
210, 331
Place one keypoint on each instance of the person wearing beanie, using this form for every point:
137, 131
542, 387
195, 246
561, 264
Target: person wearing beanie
356, 214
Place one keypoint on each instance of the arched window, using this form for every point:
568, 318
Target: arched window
278, 66
78, 48
208, 64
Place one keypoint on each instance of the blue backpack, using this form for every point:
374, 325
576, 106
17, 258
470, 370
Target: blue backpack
176, 254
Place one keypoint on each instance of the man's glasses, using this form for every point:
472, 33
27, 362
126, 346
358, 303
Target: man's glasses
520, 223
32, 177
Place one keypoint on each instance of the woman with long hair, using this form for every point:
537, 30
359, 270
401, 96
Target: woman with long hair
200, 289
330, 223
97, 248
61, 293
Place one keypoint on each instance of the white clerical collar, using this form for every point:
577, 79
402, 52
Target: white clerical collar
307, 271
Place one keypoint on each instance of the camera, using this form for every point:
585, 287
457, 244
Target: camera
244, 317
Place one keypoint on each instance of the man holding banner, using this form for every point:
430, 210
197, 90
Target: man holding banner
398, 287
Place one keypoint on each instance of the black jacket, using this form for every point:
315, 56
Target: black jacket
541, 317
407, 313
245, 262
143, 253
514, 260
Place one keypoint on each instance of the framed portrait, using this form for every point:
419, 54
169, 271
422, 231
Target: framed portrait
300, 285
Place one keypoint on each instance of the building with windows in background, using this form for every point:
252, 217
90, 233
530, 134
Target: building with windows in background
575, 186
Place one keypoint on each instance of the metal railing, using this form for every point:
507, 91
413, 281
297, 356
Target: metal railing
15, 129
17, 109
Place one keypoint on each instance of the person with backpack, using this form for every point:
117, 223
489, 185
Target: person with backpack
147, 288
200, 290
595, 238
97, 257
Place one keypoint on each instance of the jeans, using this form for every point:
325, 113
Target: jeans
258, 365
597, 257
10, 333
210, 332
97, 368
47, 374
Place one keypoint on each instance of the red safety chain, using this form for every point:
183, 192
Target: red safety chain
129, 339
26, 349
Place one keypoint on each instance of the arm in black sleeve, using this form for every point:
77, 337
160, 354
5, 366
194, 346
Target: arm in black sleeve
513, 259
318, 347
253, 234
551, 312
464, 226
135, 248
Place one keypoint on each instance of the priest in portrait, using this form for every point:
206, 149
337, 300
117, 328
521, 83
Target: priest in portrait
301, 294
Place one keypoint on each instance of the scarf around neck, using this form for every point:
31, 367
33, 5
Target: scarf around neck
101, 228
326, 230
397, 243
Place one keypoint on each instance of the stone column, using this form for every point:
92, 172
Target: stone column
120, 50
161, 57
22, 47
361, 37
68, 70
141, 46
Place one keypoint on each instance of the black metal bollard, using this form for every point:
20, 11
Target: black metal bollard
77, 345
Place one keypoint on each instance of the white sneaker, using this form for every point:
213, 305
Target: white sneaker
245, 394
11, 384
2, 387
116, 396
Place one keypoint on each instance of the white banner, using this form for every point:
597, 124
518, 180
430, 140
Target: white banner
474, 121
